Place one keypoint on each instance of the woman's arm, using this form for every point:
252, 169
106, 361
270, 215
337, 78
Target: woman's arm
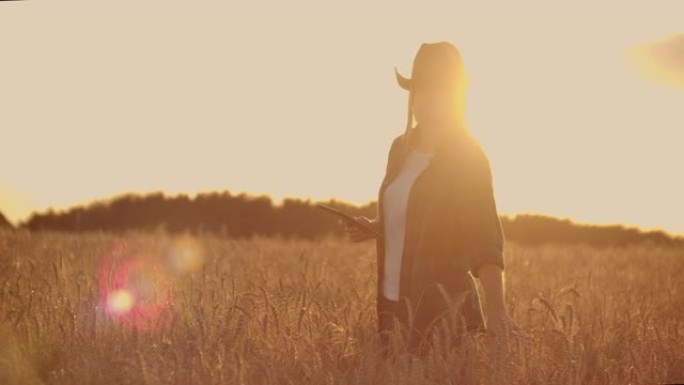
486, 244
376, 224
485, 238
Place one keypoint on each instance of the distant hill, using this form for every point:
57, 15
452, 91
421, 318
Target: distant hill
536, 229
245, 215
4, 223
216, 212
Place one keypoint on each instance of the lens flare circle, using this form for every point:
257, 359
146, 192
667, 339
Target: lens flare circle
184, 255
134, 285
137, 277
119, 302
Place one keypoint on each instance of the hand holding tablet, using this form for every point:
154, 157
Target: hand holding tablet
350, 220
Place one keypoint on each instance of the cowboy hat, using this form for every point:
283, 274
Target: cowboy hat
435, 64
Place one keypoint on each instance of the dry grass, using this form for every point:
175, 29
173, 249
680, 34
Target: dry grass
270, 311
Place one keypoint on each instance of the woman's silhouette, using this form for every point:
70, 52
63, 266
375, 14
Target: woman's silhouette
437, 212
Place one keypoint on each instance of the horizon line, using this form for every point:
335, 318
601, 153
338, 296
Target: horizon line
279, 202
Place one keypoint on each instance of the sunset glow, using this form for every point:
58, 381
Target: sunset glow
579, 106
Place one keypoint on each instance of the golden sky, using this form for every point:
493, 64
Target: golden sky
579, 106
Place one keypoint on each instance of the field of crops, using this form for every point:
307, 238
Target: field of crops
161, 309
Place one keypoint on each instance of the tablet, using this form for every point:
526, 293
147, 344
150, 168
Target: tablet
350, 219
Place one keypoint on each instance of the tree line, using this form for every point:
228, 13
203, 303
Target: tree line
243, 215
4, 223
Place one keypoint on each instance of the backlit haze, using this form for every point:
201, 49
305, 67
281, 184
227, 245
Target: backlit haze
579, 106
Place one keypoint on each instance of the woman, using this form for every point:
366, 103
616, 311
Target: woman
437, 212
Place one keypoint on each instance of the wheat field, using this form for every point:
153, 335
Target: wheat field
164, 309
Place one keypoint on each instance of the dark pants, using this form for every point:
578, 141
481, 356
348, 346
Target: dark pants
423, 323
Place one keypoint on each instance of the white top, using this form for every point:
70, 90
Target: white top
394, 207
